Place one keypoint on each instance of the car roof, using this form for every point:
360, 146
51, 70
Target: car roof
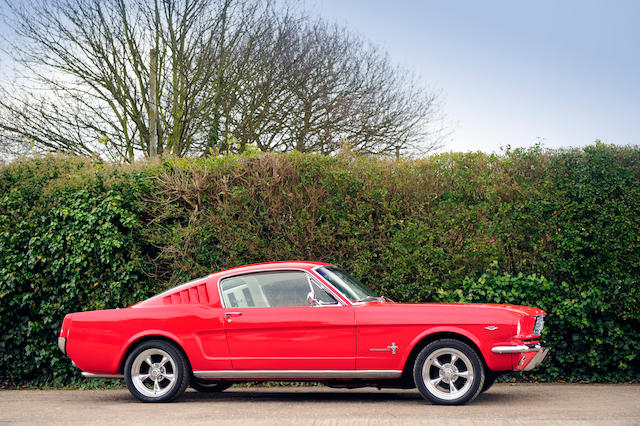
287, 264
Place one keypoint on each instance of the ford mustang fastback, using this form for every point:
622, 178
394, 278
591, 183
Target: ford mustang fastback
300, 321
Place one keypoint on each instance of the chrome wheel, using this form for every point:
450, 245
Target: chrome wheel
153, 373
447, 373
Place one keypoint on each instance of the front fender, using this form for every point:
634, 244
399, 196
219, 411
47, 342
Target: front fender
495, 362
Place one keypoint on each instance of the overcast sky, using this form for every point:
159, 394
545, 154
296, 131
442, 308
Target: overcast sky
566, 72
511, 72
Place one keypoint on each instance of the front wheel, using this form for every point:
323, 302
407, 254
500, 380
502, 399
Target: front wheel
156, 371
448, 372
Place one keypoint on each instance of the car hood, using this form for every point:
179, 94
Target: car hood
517, 309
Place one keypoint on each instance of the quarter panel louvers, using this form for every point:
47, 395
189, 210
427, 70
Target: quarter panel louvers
196, 294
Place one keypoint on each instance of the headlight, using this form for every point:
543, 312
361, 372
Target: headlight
539, 325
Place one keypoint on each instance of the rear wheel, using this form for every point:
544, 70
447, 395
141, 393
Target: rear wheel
156, 371
209, 386
448, 372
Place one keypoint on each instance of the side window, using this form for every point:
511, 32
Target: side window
242, 292
321, 295
285, 288
272, 289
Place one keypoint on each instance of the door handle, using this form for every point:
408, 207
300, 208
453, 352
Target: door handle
228, 315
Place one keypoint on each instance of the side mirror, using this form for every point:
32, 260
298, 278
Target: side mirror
311, 299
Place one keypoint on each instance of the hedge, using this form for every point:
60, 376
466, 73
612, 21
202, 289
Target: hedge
556, 229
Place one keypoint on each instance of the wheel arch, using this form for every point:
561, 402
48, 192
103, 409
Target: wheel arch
137, 340
431, 336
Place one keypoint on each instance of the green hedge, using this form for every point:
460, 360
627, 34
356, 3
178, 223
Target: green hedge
555, 229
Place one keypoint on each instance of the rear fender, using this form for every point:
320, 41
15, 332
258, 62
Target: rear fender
133, 341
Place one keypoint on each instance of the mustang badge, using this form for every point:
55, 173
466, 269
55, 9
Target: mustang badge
393, 348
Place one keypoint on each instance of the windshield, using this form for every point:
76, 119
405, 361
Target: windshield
349, 286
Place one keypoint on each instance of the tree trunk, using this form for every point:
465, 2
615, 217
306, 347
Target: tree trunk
153, 108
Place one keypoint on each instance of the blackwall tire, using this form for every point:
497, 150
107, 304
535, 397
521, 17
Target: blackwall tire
489, 380
156, 371
448, 372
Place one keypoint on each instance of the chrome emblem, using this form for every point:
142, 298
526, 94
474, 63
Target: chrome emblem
491, 327
393, 348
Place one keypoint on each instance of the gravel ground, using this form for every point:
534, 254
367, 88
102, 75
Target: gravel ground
502, 404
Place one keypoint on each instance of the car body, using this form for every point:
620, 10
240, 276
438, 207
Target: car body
300, 321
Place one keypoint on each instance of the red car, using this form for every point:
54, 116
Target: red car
300, 321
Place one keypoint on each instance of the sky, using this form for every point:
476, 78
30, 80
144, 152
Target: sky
562, 73
512, 73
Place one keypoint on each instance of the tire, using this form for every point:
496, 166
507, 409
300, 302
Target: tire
489, 379
156, 371
210, 386
435, 373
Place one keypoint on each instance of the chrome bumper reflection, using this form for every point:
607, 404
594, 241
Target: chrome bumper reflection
62, 344
516, 349
540, 356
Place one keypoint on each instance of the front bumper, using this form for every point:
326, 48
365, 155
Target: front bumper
516, 349
535, 361
531, 357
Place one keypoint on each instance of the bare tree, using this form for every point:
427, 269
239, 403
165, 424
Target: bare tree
315, 87
86, 64
227, 73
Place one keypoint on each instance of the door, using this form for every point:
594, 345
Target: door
271, 325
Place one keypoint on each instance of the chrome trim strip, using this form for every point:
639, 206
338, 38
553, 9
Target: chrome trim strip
62, 344
298, 374
102, 376
516, 349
